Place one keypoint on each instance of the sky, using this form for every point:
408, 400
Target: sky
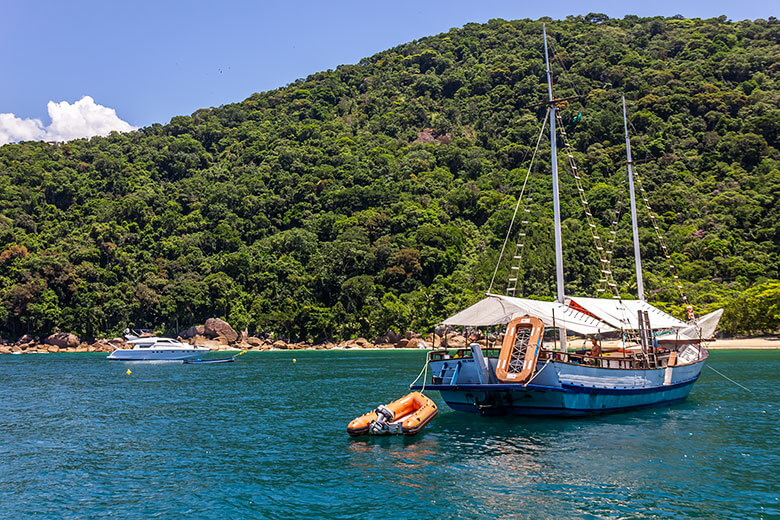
78, 68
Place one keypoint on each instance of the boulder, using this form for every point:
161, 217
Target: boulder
402, 343
62, 340
195, 330
279, 344
5, 350
363, 343
417, 343
457, 341
53, 348
215, 327
254, 342
25, 339
434, 340
388, 337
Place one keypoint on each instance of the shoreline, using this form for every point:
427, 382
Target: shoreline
758, 343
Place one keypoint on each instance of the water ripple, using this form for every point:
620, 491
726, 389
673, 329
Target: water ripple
265, 438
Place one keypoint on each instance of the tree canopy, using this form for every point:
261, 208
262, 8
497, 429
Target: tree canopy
377, 195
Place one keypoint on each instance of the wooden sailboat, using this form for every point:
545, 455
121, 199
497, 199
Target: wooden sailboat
525, 378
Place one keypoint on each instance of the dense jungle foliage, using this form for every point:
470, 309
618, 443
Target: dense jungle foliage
376, 196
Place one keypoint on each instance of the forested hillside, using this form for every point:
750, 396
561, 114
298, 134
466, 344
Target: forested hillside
377, 195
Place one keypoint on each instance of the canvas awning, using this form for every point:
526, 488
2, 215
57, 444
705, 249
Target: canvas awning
704, 327
499, 310
622, 314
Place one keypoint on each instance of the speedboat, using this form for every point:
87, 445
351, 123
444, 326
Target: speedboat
154, 348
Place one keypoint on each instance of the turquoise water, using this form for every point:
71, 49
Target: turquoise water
266, 438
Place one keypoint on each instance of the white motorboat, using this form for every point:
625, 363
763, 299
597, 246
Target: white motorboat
157, 349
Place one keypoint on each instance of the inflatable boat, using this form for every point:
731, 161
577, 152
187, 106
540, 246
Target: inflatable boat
407, 416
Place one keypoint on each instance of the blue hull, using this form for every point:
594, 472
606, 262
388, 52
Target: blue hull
562, 389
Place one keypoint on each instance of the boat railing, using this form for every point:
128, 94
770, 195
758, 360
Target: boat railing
621, 360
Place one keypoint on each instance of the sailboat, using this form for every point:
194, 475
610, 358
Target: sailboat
525, 376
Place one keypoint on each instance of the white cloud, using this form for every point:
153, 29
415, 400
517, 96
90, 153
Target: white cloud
84, 118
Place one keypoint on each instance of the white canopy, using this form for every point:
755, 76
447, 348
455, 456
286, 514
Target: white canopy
704, 327
499, 310
622, 314
610, 315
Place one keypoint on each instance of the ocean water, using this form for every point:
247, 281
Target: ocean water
266, 438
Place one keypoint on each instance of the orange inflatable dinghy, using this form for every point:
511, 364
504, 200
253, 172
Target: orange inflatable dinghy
511, 368
407, 415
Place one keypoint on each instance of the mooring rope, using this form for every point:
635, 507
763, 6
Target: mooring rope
727, 377
423, 371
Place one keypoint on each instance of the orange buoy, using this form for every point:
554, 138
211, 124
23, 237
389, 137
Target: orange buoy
407, 415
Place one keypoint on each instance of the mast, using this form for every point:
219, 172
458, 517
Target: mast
635, 228
556, 202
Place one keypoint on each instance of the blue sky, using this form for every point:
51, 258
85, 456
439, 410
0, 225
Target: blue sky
151, 61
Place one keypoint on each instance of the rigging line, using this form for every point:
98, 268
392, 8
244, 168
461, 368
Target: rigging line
606, 269
555, 54
727, 377
517, 206
659, 235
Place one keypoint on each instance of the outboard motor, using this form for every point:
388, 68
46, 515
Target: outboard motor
383, 417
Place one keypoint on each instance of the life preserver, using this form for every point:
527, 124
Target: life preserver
507, 373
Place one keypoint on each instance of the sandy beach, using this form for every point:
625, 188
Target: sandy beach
760, 343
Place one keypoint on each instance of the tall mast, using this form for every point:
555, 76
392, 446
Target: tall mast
637, 256
556, 201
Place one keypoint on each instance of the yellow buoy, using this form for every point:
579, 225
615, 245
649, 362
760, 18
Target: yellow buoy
129, 372
294, 360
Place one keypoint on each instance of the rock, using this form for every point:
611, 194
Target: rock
215, 327
244, 335
27, 345
388, 337
25, 339
279, 344
409, 334
5, 350
433, 340
402, 343
195, 330
362, 343
417, 343
63, 340
255, 342
15, 349
53, 348
457, 341
222, 340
